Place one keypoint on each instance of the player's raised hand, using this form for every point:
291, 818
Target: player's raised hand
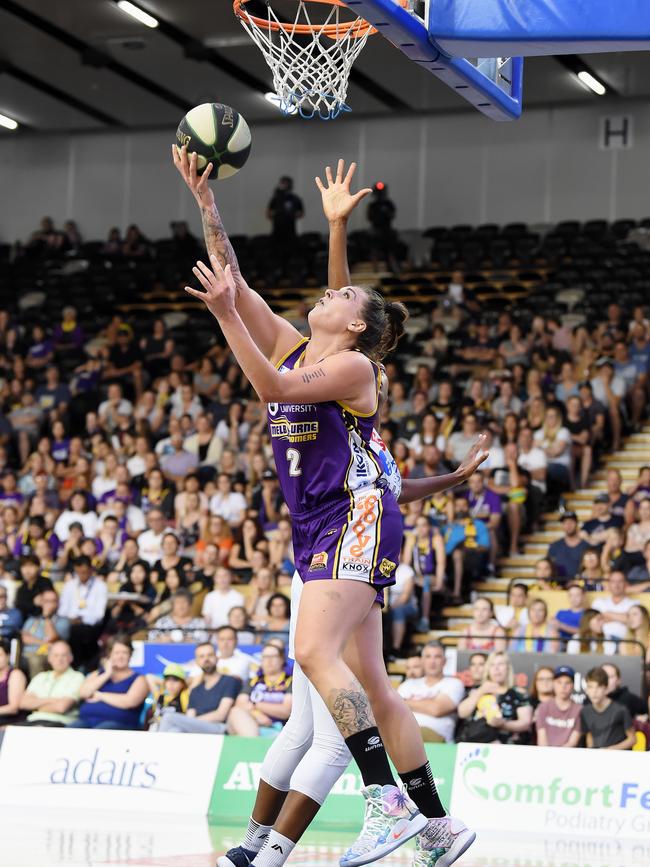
473, 459
198, 185
219, 285
338, 201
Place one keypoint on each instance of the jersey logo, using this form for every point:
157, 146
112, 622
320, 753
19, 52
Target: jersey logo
294, 431
318, 562
387, 567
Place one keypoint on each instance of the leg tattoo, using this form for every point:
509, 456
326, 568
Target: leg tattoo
351, 709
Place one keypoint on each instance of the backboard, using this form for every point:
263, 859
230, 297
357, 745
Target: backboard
476, 47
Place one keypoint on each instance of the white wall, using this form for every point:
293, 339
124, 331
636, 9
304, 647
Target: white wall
441, 170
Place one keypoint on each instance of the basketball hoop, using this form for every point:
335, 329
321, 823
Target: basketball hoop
310, 61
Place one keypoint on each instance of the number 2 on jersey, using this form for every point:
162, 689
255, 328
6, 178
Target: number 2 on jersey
293, 456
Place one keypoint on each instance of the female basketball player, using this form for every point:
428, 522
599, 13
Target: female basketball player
328, 490
309, 755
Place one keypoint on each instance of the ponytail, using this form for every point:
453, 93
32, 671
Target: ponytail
384, 325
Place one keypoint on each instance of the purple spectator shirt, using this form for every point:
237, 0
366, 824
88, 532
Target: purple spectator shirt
484, 505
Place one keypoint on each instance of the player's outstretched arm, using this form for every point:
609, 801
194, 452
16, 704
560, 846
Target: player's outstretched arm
418, 489
345, 376
273, 334
338, 204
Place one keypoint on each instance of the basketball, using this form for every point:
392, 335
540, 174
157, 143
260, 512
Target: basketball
217, 134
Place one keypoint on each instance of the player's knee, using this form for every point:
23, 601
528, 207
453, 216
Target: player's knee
311, 655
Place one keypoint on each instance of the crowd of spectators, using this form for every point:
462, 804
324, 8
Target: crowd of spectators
488, 703
138, 498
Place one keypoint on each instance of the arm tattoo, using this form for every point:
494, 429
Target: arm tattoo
315, 374
217, 240
350, 709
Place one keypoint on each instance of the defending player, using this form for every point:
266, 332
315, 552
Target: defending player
343, 522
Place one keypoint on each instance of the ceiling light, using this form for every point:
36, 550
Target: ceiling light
592, 83
275, 100
137, 13
8, 122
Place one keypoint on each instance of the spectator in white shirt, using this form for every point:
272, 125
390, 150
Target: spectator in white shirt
78, 512
83, 602
228, 504
205, 444
185, 402
434, 698
105, 481
515, 613
614, 607
110, 410
150, 542
231, 660
532, 458
555, 440
219, 601
609, 389
137, 464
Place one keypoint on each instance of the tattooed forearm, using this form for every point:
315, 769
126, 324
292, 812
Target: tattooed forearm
314, 374
217, 240
350, 709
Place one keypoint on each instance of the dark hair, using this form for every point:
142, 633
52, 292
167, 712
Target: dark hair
483, 656
226, 628
83, 560
129, 585
30, 558
384, 325
597, 675
520, 586
5, 646
281, 596
204, 644
120, 638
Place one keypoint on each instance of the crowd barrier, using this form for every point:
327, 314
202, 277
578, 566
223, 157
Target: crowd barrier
495, 788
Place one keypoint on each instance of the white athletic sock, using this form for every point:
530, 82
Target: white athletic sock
276, 851
256, 836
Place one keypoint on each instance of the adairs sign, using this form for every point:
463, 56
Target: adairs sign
108, 769
531, 789
103, 769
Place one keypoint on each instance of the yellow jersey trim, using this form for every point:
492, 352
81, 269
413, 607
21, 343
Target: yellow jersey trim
377, 390
290, 352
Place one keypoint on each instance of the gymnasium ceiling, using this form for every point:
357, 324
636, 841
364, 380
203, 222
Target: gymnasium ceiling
84, 65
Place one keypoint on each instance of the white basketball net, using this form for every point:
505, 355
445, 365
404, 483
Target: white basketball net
310, 71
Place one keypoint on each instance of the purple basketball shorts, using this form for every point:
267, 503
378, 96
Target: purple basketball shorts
360, 543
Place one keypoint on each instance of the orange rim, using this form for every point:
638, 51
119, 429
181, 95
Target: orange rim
334, 31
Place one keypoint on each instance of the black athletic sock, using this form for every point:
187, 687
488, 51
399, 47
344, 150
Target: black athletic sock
421, 787
369, 752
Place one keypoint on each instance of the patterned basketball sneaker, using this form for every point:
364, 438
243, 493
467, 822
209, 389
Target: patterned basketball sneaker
238, 857
442, 842
391, 819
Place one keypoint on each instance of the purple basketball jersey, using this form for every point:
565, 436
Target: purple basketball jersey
322, 453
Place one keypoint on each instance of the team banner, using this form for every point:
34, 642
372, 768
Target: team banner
553, 791
239, 773
112, 770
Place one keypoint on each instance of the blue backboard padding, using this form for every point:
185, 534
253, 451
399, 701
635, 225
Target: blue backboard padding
491, 28
410, 35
